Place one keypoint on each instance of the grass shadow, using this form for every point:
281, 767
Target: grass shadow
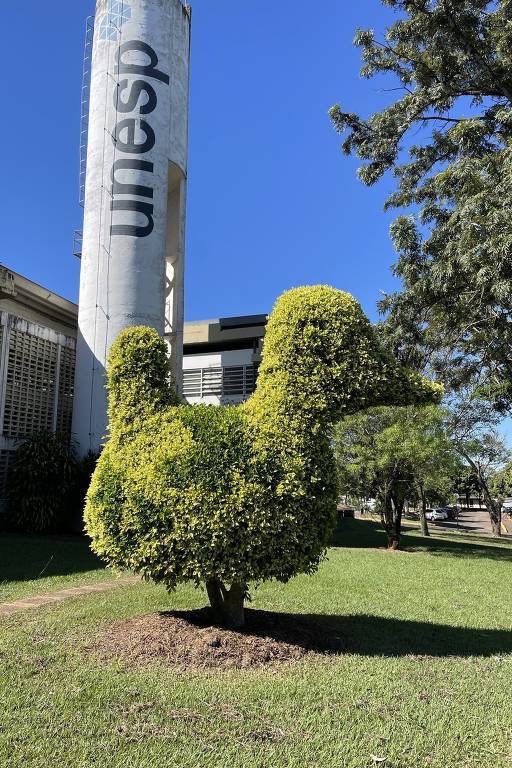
365, 635
26, 558
369, 534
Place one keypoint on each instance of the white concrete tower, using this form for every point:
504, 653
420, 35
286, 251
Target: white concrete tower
134, 220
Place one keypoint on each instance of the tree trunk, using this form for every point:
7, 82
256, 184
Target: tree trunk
494, 510
495, 515
391, 518
399, 509
493, 507
227, 604
393, 541
423, 511
496, 526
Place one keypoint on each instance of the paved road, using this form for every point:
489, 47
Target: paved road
470, 520
475, 520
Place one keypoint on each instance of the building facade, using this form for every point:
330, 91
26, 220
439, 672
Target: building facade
37, 362
38, 332
221, 359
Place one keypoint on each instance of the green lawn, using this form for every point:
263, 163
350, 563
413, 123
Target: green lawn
30, 565
426, 678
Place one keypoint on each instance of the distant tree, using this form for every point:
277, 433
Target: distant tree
501, 485
395, 454
364, 471
472, 424
424, 446
466, 483
485, 455
446, 138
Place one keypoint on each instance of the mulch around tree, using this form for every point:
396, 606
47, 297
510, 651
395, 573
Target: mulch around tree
188, 640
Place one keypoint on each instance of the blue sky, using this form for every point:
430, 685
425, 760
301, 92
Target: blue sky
272, 201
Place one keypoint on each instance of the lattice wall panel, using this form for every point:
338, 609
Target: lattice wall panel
66, 386
30, 386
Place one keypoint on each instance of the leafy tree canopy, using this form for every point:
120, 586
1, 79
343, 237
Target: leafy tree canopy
472, 424
501, 483
447, 140
394, 454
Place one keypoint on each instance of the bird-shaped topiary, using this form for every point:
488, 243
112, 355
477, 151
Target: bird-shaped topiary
227, 495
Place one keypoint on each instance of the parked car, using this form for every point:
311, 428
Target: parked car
435, 515
345, 510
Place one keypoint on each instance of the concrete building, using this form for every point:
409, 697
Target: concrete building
38, 332
221, 358
37, 362
135, 191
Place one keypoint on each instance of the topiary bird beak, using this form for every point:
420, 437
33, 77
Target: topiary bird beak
402, 386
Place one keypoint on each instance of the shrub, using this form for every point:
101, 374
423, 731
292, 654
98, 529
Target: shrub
40, 480
81, 481
229, 495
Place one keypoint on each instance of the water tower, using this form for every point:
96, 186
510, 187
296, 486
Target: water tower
134, 189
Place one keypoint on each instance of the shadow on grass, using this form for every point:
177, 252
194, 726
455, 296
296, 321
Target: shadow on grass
364, 635
25, 558
369, 534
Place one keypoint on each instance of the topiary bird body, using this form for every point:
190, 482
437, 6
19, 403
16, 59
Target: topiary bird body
225, 495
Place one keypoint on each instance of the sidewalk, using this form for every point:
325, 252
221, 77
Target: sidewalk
28, 603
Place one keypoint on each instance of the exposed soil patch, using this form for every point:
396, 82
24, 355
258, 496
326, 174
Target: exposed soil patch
188, 640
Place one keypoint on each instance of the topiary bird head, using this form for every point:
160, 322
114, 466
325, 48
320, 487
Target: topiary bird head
321, 353
321, 357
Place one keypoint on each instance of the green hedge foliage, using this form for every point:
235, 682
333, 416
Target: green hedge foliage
245, 493
40, 481
46, 485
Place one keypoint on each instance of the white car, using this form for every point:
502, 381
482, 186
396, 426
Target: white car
436, 514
